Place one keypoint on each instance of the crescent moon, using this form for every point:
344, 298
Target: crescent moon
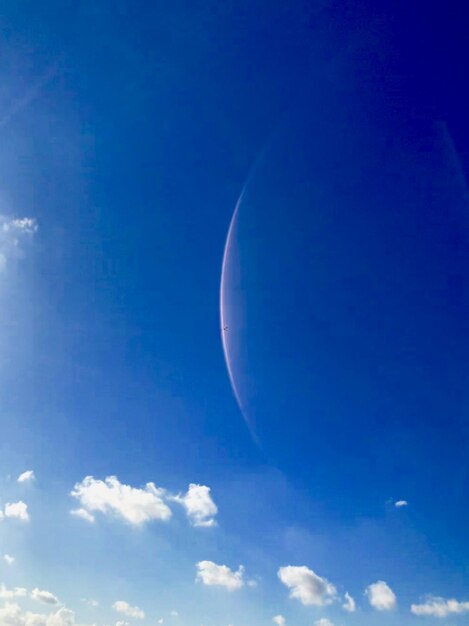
224, 328
224, 325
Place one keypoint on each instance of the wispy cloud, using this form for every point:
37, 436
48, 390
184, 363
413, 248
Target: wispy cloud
16, 592
26, 477
29, 95
83, 514
439, 607
14, 233
349, 604
323, 621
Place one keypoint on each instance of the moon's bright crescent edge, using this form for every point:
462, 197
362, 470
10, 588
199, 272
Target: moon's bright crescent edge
223, 286
223, 312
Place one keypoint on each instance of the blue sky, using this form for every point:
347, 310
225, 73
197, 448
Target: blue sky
135, 487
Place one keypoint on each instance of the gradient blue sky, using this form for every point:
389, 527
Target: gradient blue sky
127, 132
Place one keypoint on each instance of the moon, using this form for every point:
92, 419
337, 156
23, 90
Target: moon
227, 323
344, 290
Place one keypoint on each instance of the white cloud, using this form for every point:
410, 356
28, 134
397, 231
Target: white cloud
22, 224
439, 607
349, 604
63, 617
93, 603
12, 615
135, 505
306, 586
140, 505
12, 233
381, 596
9, 559
122, 623
209, 573
279, 620
17, 509
26, 477
43, 596
83, 514
323, 621
160, 621
199, 506
174, 614
16, 592
131, 611
400, 503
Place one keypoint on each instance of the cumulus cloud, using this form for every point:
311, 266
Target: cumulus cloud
136, 506
16, 592
12, 615
174, 614
9, 559
140, 505
83, 514
323, 621
131, 611
12, 234
43, 596
122, 623
306, 586
199, 506
26, 477
439, 607
279, 620
400, 503
381, 596
18, 510
209, 573
349, 603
